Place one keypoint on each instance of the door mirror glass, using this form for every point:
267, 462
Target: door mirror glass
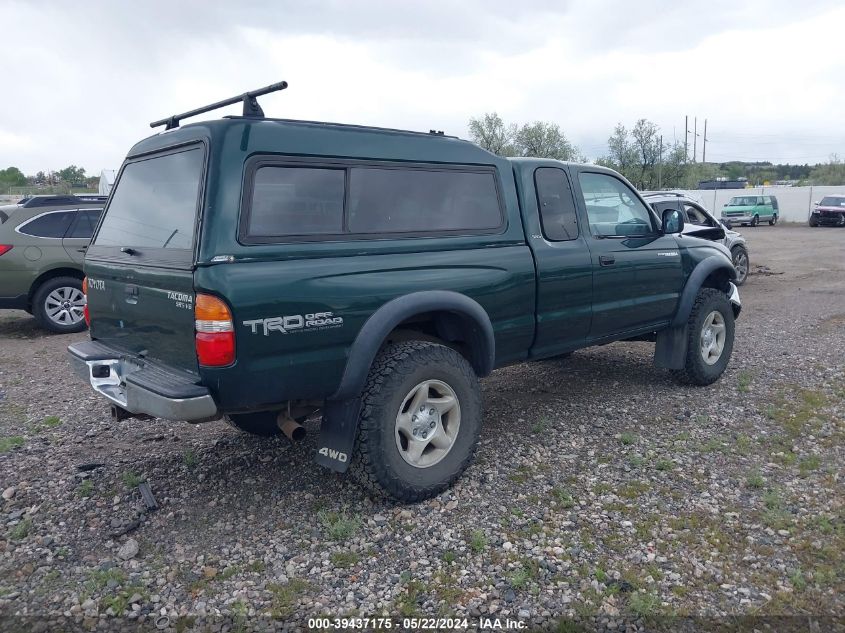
727, 224
673, 221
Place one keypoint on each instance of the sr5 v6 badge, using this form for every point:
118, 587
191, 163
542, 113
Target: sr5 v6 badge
294, 323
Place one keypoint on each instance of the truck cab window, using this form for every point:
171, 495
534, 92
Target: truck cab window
556, 205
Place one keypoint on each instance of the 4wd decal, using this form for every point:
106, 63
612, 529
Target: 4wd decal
295, 323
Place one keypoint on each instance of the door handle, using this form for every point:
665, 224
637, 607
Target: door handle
607, 260
82, 250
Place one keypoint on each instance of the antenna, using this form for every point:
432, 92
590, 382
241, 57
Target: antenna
249, 99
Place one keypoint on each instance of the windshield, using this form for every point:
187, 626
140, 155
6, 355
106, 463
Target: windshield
830, 201
154, 204
743, 201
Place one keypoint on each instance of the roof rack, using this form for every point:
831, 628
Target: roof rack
251, 107
50, 200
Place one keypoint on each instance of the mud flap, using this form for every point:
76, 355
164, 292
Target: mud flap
670, 351
337, 433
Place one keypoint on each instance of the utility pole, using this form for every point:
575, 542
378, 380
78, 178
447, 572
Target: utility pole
704, 147
660, 164
686, 136
695, 139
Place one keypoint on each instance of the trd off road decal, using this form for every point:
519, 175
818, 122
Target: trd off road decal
292, 324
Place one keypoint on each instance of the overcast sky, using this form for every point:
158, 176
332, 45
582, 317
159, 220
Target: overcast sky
82, 80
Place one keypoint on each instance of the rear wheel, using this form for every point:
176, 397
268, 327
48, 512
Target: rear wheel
755, 220
420, 421
58, 305
774, 220
740, 259
710, 339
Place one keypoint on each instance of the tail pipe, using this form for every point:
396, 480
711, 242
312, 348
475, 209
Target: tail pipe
292, 429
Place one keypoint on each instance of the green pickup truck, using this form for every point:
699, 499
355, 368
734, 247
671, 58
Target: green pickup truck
266, 270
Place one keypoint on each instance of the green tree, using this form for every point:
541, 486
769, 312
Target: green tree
12, 177
491, 133
72, 174
542, 139
829, 173
646, 144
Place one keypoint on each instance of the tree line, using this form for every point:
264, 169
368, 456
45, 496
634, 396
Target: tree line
641, 155
70, 177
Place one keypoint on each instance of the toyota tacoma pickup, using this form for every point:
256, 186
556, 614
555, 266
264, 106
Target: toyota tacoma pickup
265, 270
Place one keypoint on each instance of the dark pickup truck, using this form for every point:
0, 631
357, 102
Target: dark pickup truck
266, 270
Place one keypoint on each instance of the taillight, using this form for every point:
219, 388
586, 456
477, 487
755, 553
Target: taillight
215, 336
85, 312
5, 248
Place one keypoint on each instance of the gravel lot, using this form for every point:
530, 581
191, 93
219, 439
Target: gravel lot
602, 491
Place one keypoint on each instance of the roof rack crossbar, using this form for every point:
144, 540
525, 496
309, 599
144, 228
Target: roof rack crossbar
249, 99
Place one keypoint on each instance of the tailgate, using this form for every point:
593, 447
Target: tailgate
145, 311
140, 262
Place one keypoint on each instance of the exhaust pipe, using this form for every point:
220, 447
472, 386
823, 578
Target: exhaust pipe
292, 429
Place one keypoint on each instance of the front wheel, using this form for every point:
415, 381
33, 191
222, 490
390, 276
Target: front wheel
420, 421
814, 221
740, 259
755, 220
774, 220
710, 338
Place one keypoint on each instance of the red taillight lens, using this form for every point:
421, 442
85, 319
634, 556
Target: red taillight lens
85, 312
5, 248
215, 349
215, 338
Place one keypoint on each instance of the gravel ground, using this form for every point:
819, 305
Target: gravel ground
602, 491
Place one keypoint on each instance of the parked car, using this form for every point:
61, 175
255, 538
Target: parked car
42, 243
830, 211
751, 210
700, 222
267, 269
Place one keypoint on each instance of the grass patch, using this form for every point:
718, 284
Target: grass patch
540, 426
644, 604
344, 559
338, 525
51, 421
742, 446
408, 604
744, 380
99, 578
809, 464
449, 557
10, 442
21, 530
131, 480
633, 489
189, 457
286, 596
754, 480
525, 574
627, 438
664, 464
478, 541
86, 488
563, 498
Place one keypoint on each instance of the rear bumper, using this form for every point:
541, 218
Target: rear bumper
21, 302
139, 386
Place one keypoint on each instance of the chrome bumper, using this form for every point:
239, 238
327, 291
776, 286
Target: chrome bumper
108, 377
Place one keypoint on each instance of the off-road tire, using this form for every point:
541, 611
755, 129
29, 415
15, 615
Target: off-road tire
696, 371
735, 251
377, 464
39, 310
755, 220
262, 423
774, 220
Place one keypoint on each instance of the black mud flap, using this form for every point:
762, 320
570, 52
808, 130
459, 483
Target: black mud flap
670, 352
337, 433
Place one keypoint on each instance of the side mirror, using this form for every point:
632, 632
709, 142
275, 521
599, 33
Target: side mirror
673, 221
816, 203
727, 224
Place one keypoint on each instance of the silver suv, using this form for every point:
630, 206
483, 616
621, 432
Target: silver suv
700, 222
